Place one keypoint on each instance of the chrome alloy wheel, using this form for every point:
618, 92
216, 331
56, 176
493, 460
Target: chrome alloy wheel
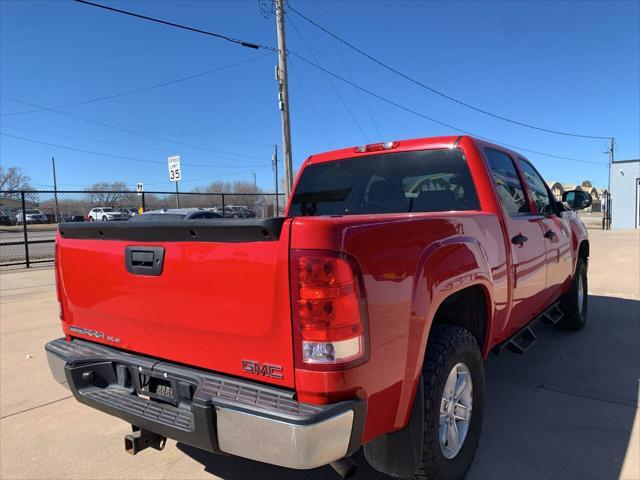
455, 410
580, 294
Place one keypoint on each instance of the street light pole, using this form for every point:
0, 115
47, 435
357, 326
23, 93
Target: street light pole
283, 97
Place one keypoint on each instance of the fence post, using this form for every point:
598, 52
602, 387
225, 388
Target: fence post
223, 205
24, 229
143, 205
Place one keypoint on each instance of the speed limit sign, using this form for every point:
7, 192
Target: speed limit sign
174, 168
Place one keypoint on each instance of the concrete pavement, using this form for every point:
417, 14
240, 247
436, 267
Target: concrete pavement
567, 409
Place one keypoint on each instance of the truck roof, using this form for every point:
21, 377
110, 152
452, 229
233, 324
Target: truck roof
426, 143
403, 146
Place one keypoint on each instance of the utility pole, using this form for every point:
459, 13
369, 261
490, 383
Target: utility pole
606, 221
55, 188
255, 183
283, 98
275, 177
611, 148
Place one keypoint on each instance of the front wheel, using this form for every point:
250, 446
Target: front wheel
454, 389
575, 303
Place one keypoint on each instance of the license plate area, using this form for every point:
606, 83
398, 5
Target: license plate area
156, 386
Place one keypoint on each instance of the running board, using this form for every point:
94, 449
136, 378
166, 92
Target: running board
522, 341
553, 315
525, 338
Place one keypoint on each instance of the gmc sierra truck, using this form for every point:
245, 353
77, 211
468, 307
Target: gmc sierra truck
360, 319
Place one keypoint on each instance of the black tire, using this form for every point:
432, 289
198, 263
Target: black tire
575, 316
448, 346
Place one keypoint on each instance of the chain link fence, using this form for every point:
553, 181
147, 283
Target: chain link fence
29, 219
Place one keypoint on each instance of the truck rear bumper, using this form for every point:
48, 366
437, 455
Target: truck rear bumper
209, 411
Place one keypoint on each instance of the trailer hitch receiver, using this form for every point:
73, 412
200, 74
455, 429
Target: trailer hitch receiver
140, 439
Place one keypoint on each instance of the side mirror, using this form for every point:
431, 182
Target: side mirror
577, 199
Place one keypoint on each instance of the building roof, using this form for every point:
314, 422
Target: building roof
627, 161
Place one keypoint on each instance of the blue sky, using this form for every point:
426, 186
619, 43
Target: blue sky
572, 66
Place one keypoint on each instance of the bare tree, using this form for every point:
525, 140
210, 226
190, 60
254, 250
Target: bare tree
105, 194
12, 180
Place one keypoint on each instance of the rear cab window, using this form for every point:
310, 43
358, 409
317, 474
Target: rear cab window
402, 182
507, 181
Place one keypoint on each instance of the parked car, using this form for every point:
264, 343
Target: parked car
75, 217
166, 215
362, 319
30, 216
7, 218
237, 211
104, 214
128, 211
228, 213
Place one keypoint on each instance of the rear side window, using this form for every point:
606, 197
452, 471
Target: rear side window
507, 182
537, 186
421, 181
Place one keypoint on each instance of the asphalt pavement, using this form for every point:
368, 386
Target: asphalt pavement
568, 409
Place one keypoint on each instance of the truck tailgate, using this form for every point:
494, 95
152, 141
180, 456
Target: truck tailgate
220, 302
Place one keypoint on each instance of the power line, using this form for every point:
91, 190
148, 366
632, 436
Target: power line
140, 90
88, 139
102, 154
438, 92
335, 89
353, 79
311, 104
132, 132
414, 112
177, 25
386, 100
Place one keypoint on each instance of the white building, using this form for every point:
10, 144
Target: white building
625, 194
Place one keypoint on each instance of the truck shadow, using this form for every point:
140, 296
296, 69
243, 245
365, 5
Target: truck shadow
563, 410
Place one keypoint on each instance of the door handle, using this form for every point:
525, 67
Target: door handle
519, 240
550, 234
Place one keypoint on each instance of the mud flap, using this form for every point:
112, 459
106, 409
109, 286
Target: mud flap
399, 453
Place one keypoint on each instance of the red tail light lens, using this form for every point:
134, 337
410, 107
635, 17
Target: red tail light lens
329, 309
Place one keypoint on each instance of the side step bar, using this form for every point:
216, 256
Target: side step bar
525, 338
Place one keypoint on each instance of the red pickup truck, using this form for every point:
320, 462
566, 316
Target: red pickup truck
361, 319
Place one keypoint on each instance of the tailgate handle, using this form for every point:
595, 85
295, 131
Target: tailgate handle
144, 260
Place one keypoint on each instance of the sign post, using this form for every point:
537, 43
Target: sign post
175, 174
140, 192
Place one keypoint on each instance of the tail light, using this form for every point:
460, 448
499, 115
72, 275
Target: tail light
329, 310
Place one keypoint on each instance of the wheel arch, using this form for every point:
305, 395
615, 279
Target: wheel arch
445, 269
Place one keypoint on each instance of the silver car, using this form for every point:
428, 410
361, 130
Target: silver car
30, 216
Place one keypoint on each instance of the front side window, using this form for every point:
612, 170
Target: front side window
537, 186
402, 182
507, 182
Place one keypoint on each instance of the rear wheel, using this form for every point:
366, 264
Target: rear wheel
575, 303
454, 389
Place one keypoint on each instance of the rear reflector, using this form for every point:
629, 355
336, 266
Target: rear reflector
329, 309
375, 147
